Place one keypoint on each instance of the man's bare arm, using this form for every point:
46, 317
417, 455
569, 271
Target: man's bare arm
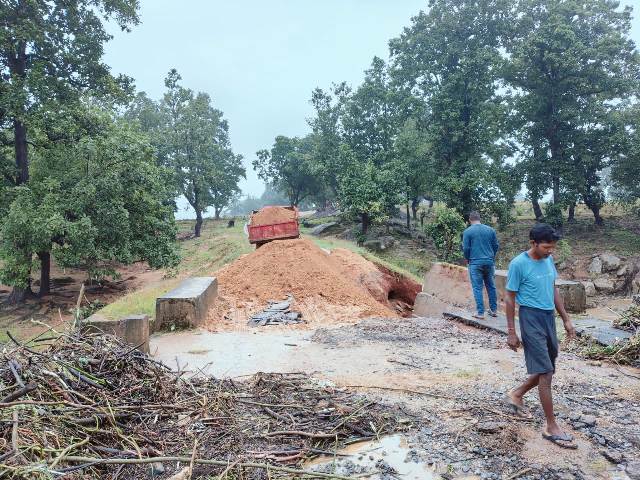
559, 304
512, 338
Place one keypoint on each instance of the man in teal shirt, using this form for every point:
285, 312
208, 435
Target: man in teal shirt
531, 284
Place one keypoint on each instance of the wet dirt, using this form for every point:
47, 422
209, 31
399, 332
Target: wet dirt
453, 378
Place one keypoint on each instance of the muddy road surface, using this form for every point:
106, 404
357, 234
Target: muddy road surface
451, 381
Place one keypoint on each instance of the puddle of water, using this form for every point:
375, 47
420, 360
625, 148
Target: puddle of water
228, 354
393, 450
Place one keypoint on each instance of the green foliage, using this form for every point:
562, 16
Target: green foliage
564, 250
573, 67
288, 167
96, 199
446, 232
554, 215
192, 139
366, 190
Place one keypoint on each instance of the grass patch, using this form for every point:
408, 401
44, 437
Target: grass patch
217, 246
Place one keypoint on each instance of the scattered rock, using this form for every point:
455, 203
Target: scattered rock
379, 244
589, 289
322, 228
595, 266
588, 420
183, 474
155, 469
489, 427
623, 271
610, 262
604, 285
633, 470
574, 417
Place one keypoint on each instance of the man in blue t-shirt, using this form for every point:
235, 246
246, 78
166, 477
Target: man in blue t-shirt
531, 284
480, 246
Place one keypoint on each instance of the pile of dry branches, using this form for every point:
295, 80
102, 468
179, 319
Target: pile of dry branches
90, 406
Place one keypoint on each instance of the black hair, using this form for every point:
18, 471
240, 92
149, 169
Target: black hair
543, 232
474, 216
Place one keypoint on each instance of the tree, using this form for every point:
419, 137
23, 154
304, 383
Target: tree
450, 58
92, 200
194, 143
367, 190
50, 51
224, 187
288, 167
569, 62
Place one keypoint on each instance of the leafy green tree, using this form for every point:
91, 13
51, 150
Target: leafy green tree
194, 143
224, 187
366, 190
569, 62
92, 200
328, 134
625, 167
288, 166
450, 57
50, 53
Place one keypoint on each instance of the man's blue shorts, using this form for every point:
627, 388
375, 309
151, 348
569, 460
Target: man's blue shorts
539, 339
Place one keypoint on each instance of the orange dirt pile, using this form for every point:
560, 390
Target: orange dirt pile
272, 215
324, 287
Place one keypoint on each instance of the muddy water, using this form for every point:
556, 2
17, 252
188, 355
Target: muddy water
230, 354
390, 455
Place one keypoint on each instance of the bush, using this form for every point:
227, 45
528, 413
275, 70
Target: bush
446, 231
554, 215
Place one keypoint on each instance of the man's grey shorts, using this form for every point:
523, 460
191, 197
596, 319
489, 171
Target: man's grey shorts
539, 339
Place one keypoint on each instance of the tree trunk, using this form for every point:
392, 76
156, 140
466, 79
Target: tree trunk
22, 160
414, 210
596, 214
45, 273
537, 211
556, 189
198, 227
365, 223
408, 216
18, 295
216, 212
571, 218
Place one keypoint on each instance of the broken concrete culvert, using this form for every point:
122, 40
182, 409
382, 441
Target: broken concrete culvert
326, 287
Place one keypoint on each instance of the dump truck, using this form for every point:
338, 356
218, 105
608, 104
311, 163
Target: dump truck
273, 223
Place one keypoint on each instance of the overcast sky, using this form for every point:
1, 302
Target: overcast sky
260, 60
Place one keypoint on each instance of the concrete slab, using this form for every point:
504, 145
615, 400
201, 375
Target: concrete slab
600, 330
186, 306
497, 324
133, 329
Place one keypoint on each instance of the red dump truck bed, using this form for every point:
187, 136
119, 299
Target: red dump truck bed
273, 223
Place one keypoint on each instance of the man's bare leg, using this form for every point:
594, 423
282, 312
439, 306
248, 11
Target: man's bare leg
519, 392
546, 399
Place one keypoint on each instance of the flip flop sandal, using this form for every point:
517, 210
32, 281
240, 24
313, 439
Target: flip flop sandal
517, 409
563, 441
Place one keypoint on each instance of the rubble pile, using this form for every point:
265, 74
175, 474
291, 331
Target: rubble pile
91, 406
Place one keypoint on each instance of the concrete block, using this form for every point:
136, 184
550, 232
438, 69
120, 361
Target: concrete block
572, 293
449, 284
187, 305
133, 329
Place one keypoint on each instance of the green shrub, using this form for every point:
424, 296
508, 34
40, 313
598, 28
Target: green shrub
446, 231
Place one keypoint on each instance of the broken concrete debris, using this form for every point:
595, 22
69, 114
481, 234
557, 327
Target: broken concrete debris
277, 313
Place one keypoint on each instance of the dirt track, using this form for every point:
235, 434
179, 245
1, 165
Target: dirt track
470, 367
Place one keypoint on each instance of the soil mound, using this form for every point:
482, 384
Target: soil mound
321, 284
272, 215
